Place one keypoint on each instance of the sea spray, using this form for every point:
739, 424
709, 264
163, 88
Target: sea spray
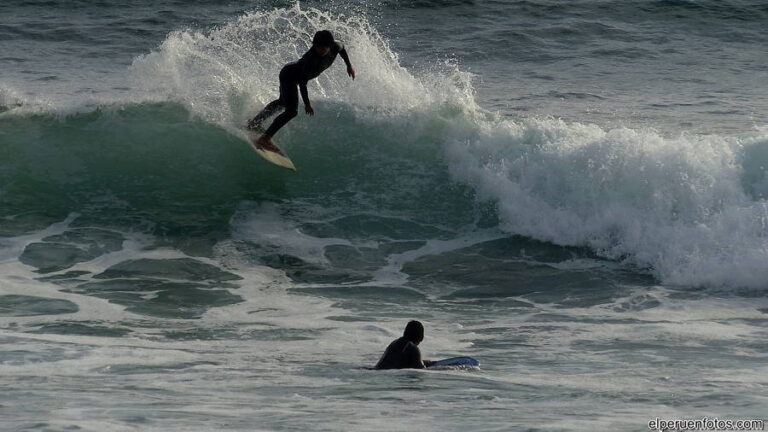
227, 74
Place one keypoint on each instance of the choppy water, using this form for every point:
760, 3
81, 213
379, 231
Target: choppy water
573, 193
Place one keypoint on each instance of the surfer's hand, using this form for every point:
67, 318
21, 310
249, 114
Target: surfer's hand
351, 72
308, 108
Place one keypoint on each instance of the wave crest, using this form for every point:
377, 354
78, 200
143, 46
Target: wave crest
676, 206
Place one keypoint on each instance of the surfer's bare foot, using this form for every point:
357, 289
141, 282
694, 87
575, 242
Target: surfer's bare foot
265, 143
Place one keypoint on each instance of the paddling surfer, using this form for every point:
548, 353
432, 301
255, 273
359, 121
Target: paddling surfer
403, 353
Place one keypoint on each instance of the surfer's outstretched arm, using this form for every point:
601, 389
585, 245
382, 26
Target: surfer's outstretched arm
305, 97
345, 57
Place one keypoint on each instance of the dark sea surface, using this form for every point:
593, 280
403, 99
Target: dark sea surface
574, 193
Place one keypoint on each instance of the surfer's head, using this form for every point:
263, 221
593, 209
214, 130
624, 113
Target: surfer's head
414, 332
322, 42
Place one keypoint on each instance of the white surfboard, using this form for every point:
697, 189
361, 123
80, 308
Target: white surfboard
274, 155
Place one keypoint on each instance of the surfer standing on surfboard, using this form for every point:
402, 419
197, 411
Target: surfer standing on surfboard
319, 58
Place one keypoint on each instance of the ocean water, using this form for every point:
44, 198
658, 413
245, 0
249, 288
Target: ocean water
574, 193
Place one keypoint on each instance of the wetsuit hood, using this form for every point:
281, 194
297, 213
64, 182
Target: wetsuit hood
324, 38
414, 332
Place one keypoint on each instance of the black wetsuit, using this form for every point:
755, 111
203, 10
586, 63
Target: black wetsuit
401, 354
308, 67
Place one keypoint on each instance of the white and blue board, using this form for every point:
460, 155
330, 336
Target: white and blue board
456, 362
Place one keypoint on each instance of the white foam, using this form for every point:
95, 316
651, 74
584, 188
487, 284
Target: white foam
264, 225
391, 273
675, 205
10, 97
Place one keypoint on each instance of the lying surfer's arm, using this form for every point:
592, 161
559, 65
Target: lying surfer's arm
345, 57
428, 363
305, 97
413, 357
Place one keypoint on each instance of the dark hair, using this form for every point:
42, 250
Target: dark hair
414, 331
323, 38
